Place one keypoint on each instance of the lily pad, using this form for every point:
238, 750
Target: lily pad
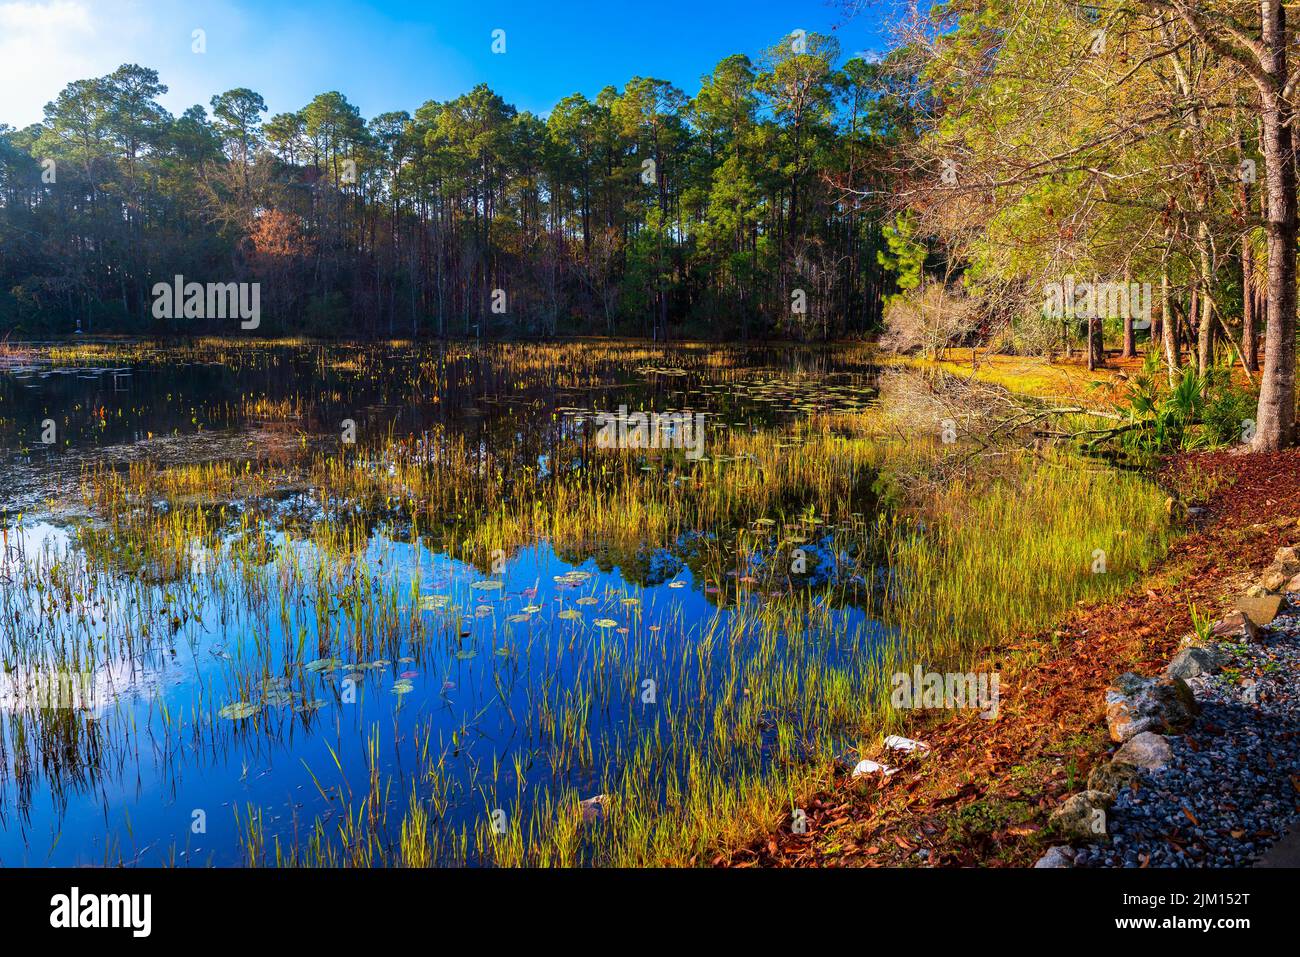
239, 710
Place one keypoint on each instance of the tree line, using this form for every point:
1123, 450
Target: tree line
643, 211
1061, 145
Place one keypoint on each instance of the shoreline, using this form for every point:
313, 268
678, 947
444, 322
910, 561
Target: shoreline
983, 793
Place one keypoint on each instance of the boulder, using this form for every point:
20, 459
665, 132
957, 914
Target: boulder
1146, 750
1273, 579
1081, 816
1194, 660
1236, 627
1135, 704
1294, 584
1111, 778
1262, 610
1285, 568
1256, 591
1060, 856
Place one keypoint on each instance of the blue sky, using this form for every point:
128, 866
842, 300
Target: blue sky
393, 54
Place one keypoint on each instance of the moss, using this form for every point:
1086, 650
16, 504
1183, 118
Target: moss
980, 819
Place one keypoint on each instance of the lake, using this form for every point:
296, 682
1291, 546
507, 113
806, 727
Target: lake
405, 604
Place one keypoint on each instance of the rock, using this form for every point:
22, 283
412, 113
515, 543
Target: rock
1285, 568
1236, 627
1059, 856
1111, 778
593, 808
1294, 584
1273, 579
1135, 704
1264, 609
1146, 750
1194, 660
1081, 816
1256, 591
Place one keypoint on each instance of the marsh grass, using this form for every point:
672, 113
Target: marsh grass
304, 561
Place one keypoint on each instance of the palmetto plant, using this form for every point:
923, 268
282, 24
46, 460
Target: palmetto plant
1165, 415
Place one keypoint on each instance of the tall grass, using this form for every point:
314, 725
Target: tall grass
756, 699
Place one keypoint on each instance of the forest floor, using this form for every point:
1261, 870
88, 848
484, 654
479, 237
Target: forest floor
1063, 379
983, 792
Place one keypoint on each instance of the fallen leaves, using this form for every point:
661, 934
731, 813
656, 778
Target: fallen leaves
1052, 686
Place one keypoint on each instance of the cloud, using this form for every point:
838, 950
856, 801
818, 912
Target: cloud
45, 44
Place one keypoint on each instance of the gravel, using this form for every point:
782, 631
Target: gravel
1233, 785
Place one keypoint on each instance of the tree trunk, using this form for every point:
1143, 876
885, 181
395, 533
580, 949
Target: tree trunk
1130, 346
1205, 336
1249, 341
1205, 319
1275, 418
1095, 346
1169, 327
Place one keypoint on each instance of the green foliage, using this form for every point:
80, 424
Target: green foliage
1226, 410
904, 256
1200, 411
643, 209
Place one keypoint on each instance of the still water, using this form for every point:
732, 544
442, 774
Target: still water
281, 695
